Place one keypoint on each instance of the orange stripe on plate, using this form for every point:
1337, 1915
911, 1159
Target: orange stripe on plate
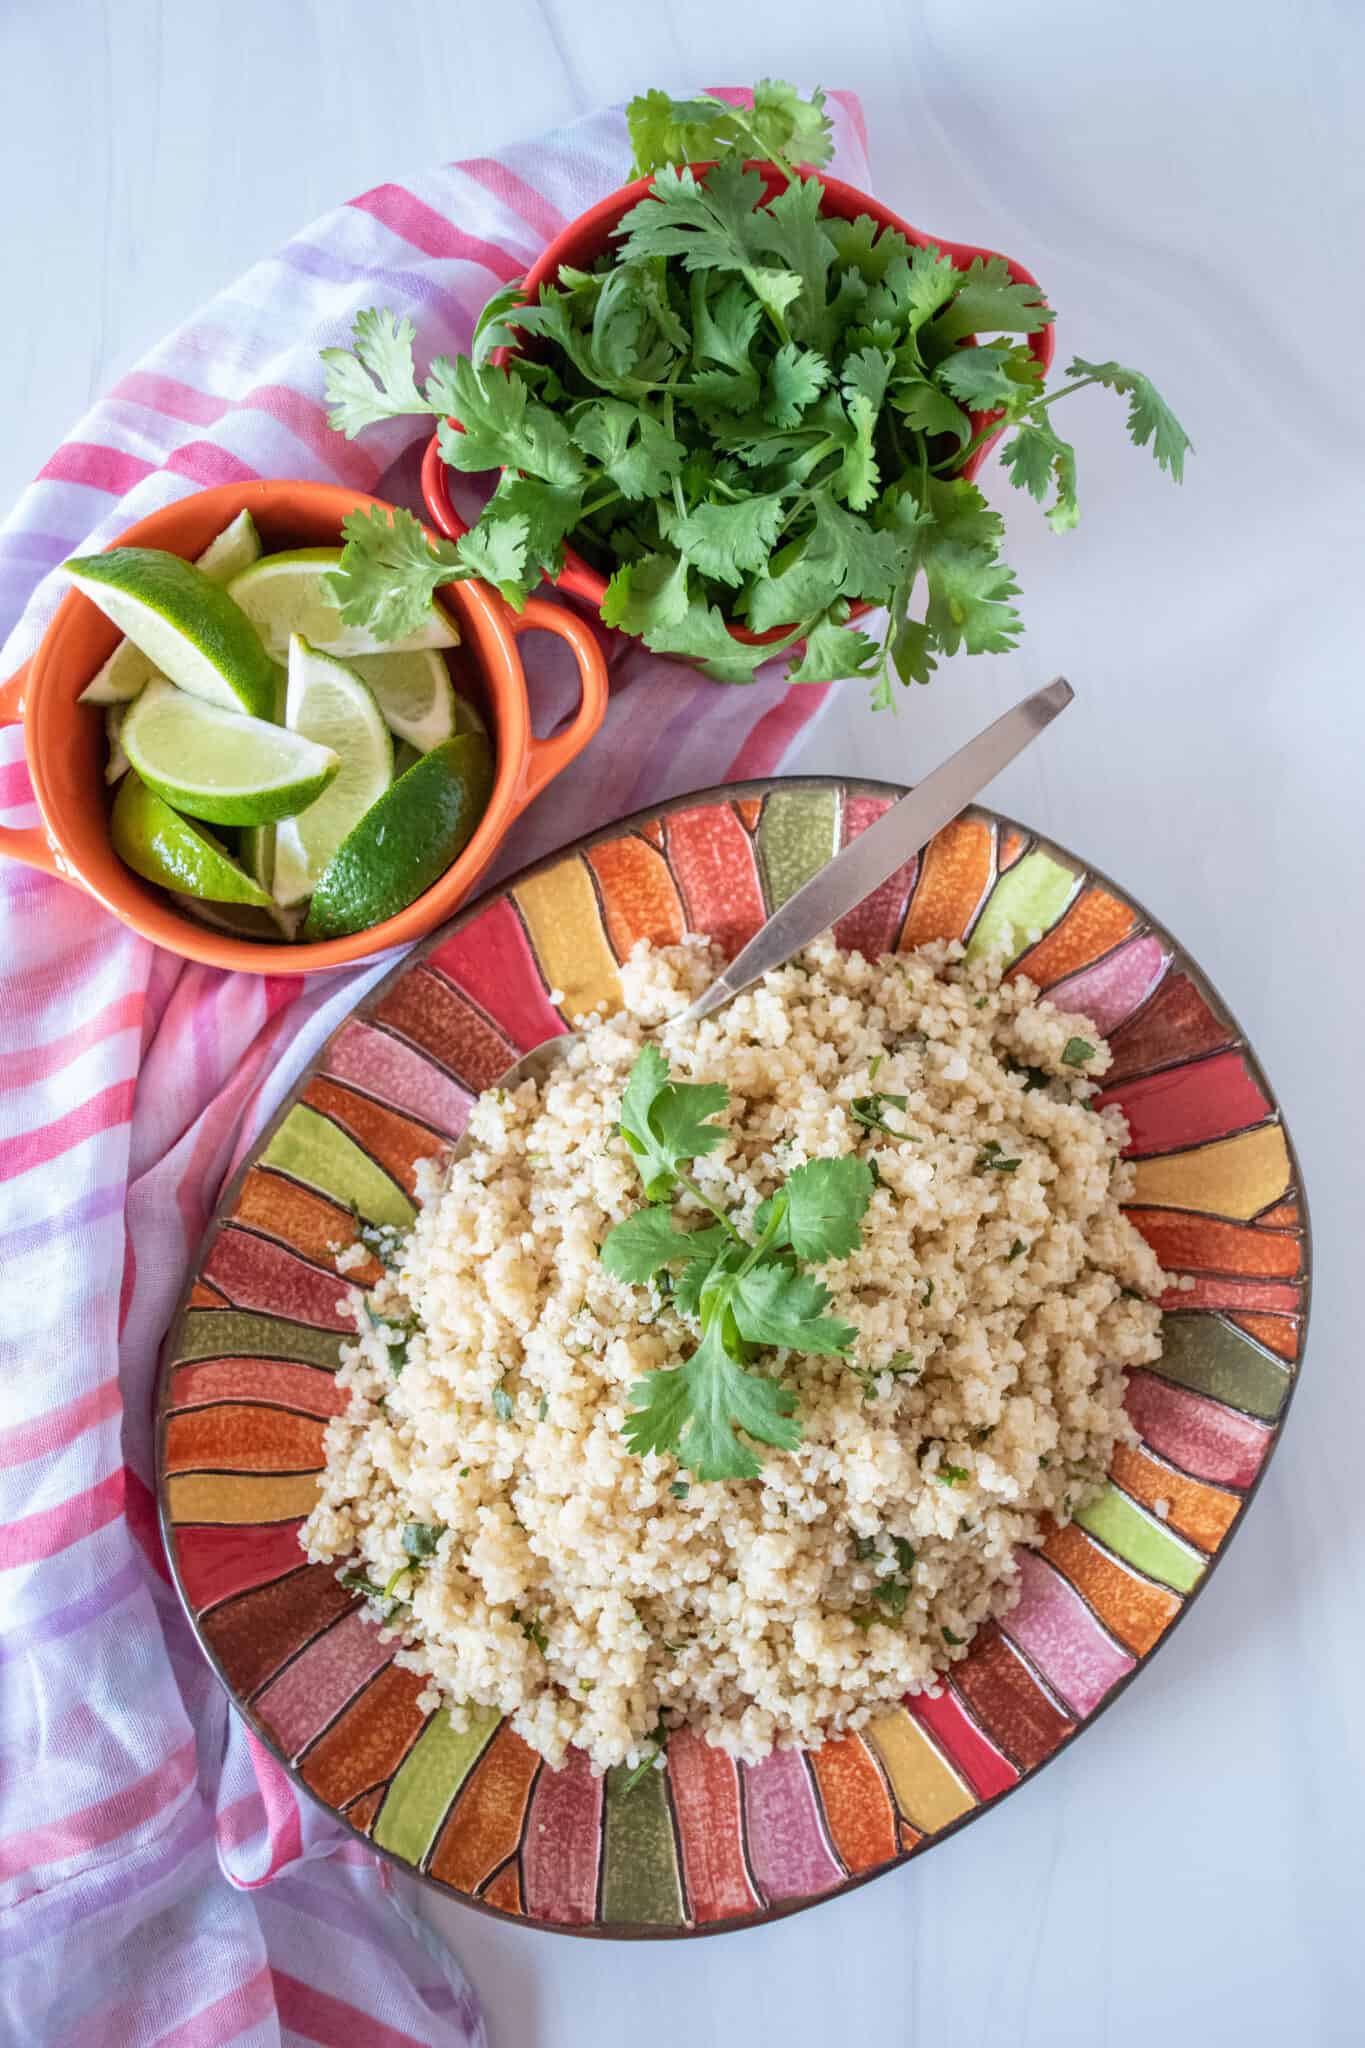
305, 1221
640, 899
204, 1296
954, 874
243, 1439
1279, 1334
1095, 924
1203, 1244
485, 1826
1203, 1513
505, 1890
1133, 1609
858, 1809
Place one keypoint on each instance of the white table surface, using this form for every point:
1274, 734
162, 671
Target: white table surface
1187, 178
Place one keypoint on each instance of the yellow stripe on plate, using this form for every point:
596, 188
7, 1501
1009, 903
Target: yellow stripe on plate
1235, 1177
238, 1497
562, 917
928, 1790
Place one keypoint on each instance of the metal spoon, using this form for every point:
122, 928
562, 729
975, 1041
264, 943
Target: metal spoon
871, 859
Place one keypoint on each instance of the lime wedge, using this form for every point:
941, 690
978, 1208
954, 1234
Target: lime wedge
221, 765
160, 845
189, 629
128, 670
415, 694
405, 841
329, 704
117, 762
257, 848
287, 594
231, 551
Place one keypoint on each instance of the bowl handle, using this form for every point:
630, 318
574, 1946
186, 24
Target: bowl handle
546, 758
27, 843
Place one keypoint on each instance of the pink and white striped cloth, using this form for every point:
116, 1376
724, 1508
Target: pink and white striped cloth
160, 1880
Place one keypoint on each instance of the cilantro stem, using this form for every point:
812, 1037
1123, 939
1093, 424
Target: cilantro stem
707, 1203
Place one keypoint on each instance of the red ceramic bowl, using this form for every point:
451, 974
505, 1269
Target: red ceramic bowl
586, 238
64, 739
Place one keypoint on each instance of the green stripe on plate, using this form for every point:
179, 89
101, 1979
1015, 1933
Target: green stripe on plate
313, 1149
1209, 1356
431, 1774
797, 835
1028, 898
640, 1861
236, 1333
1141, 1541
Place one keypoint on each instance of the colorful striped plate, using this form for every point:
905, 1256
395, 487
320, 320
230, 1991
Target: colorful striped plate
247, 1383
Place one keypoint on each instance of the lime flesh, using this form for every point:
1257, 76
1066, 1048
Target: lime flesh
128, 670
327, 702
406, 841
189, 629
162, 847
415, 694
288, 593
222, 765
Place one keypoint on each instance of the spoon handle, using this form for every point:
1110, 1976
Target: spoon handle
886, 845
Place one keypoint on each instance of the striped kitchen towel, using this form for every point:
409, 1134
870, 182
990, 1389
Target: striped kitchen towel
160, 1878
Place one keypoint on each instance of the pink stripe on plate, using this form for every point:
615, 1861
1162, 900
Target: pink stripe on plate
1113, 988
399, 1075
298, 1704
411, 218
254, 1273
873, 928
788, 1852
1199, 1435
308, 1388
491, 961
1055, 1628
562, 1844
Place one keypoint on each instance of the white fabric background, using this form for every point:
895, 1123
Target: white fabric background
1187, 178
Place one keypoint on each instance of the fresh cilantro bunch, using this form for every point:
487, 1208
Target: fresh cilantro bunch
748, 1296
744, 414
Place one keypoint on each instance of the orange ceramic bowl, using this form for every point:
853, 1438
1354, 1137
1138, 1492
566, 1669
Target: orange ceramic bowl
65, 745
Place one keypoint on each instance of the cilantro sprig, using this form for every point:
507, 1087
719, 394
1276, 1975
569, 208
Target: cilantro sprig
745, 413
748, 1295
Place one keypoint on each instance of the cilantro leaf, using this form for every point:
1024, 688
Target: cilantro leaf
374, 379
709, 222
796, 377
826, 1201
497, 552
995, 374
421, 1539
833, 652
547, 514
668, 131
639, 1245
389, 569
1078, 1052
1149, 416
1036, 458
727, 541
787, 125
723, 327
773, 1304
969, 593
921, 404
493, 329
987, 301
647, 596
503, 426
696, 1409
636, 450
664, 1121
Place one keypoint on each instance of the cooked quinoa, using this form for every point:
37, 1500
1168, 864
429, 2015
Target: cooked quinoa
595, 1596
